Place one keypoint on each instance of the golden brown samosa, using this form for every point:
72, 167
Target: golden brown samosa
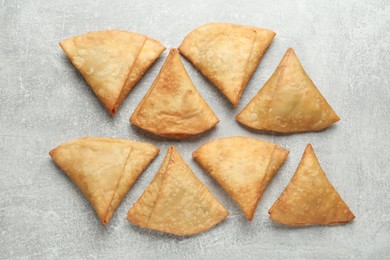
309, 198
288, 102
227, 54
104, 168
112, 62
243, 166
176, 201
173, 107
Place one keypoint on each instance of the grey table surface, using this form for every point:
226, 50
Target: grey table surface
344, 47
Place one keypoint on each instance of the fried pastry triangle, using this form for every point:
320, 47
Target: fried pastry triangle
243, 166
309, 198
176, 201
173, 107
288, 102
104, 169
112, 62
227, 54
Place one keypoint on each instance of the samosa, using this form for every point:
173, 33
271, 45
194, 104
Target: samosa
243, 166
309, 198
176, 201
227, 54
112, 62
173, 107
104, 168
288, 102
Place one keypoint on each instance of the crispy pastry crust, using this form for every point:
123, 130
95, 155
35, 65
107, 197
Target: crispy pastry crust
309, 198
227, 54
104, 168
112, 61
176, 201
288, 102
173, 107
243, 166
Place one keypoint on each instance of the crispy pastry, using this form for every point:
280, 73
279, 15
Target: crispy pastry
112, 62
309, 198
243, 166
227, 54
176, 201
173, 107
288, 102
104, 169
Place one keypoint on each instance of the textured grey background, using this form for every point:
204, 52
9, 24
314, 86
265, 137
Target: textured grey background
344, 47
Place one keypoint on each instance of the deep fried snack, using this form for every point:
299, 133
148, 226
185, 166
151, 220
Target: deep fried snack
288, 102
227, 54
104, 168
173, 107
112, 62
176, 201
243, 166
309, 198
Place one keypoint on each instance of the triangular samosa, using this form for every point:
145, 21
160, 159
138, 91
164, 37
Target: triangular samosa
104, 169
309, 198
288, 102
227, 54
243, 166
176, 201
112, 62
173, 107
